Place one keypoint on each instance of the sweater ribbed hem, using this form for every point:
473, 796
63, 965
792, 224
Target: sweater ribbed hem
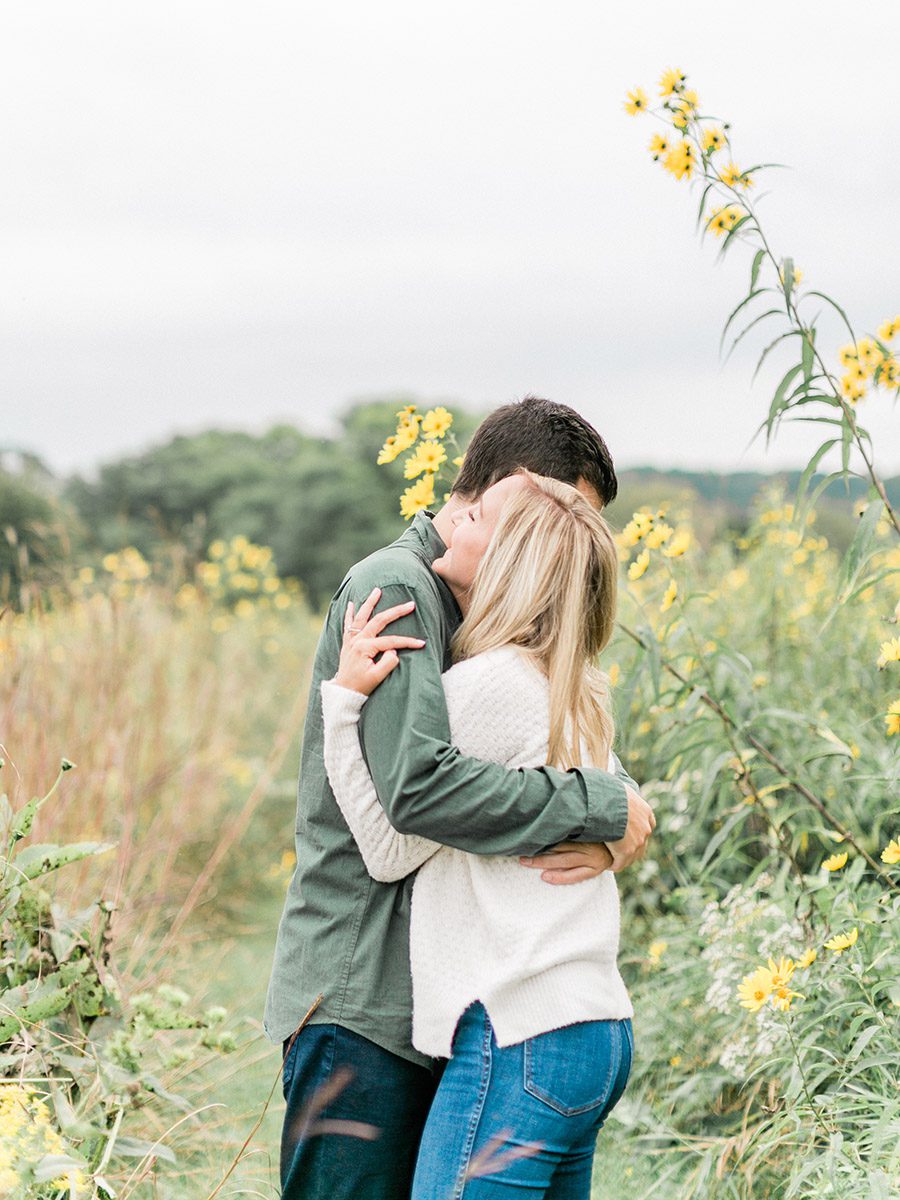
563, 995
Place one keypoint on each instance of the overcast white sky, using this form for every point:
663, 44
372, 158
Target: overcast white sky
228, 214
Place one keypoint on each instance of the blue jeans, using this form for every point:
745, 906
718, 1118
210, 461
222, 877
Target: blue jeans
350, 1136
556, 1089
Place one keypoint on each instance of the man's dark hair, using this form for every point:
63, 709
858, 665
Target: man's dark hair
542, 436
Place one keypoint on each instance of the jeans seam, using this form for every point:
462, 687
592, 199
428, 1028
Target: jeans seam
479, 1107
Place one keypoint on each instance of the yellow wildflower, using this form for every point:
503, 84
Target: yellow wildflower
680, 160
406, 412
781, 971
657, 535
852, 388
659, 144
656, 950
419, 496
671, 81
713, 139
868, 353
889, 373
690, 98
640, 524
436, 422
848, 355
389, 450
891, 852
669, 598
889, 330
675, 1060
428, 457
613, 674
731, 175
678, 545
640, 565
890, 652
755, 989
407, 432
842, 941
782, 997
723, 219
636, 101
798, 275
458, 462
892, 719
835, 862
681, 114
807, 958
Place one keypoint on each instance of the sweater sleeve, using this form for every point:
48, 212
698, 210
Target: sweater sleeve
388, 855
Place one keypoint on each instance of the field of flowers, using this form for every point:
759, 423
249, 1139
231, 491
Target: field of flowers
756, 686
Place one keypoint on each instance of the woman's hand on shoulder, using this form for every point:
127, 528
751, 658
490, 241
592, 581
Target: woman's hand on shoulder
357, 668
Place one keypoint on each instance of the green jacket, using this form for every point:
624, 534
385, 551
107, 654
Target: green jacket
342, 933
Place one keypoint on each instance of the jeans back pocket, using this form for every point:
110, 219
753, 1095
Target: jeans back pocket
576, 1068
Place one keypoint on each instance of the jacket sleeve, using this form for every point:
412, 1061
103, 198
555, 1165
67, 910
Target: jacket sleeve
388, 855
427, 787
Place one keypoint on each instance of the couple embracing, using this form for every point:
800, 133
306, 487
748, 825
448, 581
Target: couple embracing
460, 824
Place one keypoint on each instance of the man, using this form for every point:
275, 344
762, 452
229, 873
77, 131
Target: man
346, 937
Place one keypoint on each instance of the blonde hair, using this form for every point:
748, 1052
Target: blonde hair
547, 584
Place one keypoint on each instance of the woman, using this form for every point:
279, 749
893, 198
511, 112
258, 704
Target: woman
515, 982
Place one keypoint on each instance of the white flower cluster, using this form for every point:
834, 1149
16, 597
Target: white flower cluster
740, 930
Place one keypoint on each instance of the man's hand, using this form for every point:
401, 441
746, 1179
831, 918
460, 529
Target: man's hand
633, 843
572, 862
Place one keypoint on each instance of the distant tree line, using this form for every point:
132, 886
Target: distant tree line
321, 503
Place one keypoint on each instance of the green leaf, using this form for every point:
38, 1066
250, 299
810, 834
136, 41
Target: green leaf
734, 312
772, 312
807, 356
788, 280
765, 166
51, 1166
731, 232
837, 307
128, 1147
754, 270
771, 346
40, 860
870, 581
706, 192
24, 819
651, 656
45, 1006
859, 550
807, 474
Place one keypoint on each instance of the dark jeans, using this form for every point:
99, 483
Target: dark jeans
354, 1117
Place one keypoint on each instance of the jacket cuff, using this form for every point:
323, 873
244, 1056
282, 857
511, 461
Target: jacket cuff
607, 807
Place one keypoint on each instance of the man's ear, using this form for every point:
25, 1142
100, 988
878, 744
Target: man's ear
589, 492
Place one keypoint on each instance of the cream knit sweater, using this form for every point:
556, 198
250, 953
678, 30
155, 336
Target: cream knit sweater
483, 927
